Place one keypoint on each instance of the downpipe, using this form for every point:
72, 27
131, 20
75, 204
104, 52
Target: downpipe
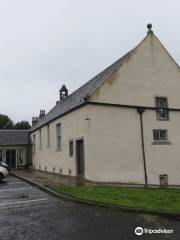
141, 111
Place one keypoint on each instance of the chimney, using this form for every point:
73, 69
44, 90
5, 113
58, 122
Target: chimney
42, 114
63, 93
34, 120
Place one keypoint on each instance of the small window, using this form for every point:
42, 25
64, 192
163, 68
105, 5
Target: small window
71, 148
34, 143
40, 141
162, 108
160, 135
58, 137
48, 136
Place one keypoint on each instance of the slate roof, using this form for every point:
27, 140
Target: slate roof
14, 137
78, 97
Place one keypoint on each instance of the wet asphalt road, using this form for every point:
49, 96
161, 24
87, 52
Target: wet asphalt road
26, 213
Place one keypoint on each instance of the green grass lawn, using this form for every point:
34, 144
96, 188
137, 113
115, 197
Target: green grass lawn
148, 199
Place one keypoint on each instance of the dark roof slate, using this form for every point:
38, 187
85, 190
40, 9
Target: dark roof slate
78, 97
14, 137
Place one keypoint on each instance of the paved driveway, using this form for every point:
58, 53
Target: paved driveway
30, 214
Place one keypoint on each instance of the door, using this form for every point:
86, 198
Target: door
80, 157
11, 158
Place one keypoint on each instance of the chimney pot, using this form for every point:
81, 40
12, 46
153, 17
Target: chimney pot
42, 114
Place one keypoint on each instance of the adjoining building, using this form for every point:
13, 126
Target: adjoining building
15, 148
123, 126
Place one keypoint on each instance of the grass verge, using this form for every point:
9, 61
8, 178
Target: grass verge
166, 200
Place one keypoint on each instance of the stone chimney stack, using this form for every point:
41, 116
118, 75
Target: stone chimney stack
42, 114
34, 120
63, 93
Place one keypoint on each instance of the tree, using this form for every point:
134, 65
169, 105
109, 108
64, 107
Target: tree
22, 125
6, 122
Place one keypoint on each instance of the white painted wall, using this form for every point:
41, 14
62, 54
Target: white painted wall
74, 126
116, 154
115, 144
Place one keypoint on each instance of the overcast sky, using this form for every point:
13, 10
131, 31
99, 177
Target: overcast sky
46, 43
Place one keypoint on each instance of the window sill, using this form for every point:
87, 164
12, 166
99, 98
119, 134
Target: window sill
162, 119
161, 143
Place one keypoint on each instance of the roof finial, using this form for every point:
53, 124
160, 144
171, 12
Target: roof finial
149, 26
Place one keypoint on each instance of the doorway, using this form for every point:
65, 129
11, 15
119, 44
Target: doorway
11, 158
80, 157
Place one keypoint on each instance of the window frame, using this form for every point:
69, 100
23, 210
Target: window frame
59, 137
160, 131
160, 140
40, 139
34, 143
158, 109
48, 136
